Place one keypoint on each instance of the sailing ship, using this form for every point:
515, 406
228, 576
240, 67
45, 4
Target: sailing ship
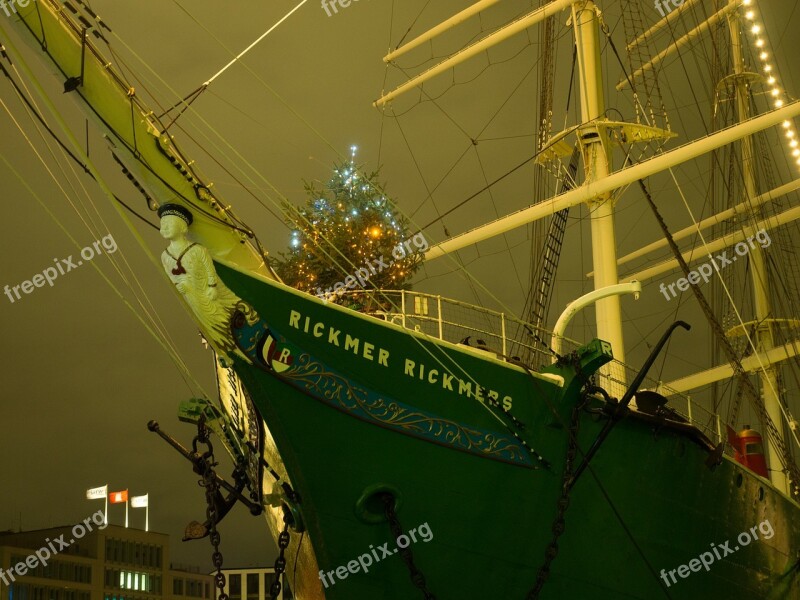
539, 467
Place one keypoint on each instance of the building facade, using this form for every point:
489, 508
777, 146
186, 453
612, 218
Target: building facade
115, 563
253, 584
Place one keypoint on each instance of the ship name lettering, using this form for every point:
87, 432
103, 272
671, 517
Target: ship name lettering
447, 381
333, 336
317, 329
351, 342
482, 394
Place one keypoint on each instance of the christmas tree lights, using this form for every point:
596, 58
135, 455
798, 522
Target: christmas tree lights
348, 223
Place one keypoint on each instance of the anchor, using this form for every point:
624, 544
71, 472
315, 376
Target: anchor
203, 464
619, 409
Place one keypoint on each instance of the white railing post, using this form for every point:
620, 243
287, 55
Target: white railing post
439, 310
689, 409
403, 305
719, 429
503, 332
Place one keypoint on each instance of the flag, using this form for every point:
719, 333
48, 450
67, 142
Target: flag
97, 493
142, 502
118, 497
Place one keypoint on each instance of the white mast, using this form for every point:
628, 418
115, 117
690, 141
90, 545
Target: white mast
763, 338
597, 151
601, 182
621, 178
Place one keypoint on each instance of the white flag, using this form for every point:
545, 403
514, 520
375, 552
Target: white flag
139, 501
97, 493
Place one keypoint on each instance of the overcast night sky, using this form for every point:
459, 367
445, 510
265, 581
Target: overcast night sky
81, 376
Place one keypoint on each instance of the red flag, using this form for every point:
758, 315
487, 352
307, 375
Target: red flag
118, 497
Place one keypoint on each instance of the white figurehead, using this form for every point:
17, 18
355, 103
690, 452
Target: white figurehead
191, 268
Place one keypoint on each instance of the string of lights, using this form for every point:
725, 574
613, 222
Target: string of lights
758, 33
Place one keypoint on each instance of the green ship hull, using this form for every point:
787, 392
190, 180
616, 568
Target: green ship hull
649, 502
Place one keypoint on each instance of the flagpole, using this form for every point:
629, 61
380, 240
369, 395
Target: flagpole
147, 514
106, 515
126, 513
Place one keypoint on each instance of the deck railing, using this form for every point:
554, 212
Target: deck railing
506, 336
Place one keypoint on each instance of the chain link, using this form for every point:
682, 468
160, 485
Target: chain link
205, 467
280, 562
417, 578
562, 505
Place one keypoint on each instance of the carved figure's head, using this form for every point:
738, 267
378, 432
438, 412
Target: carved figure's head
175, 220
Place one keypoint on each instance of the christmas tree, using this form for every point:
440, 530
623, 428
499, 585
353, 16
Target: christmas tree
349, 236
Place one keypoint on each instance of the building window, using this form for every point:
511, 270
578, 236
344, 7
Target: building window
253, 585
194, 588
235, 587
24, 591
269, 579
57, 569
177, 587
127, 580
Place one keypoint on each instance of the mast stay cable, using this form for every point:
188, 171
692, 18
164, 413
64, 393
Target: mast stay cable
162, 338
187, 101
773, 433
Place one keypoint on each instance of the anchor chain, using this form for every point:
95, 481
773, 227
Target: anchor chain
203, 463
417, 578
205, 466
280, 562
563, 502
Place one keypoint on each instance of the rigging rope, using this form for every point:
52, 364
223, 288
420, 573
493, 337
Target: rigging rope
243, 160
35, 112
773, 433
186, 102
251, 46
446, 356
178, 362
162, 338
